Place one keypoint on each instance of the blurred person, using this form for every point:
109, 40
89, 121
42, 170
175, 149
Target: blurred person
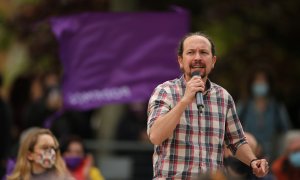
189, 142
19, 99
36, 110
11, 160
261, 113
235, 169
39, 158
36, 88
79, 163
45, 99
287, 166
53, 91
5, 130
63, 122
45, 108
132, 127
131, 124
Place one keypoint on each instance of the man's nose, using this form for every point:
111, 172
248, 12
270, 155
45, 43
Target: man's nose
198, 55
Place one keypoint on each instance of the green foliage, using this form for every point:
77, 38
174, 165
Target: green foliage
30, 2
5, 34
226, 34
245, 32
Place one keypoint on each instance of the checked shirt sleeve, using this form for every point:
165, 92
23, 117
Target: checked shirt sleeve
159, 104
234, 135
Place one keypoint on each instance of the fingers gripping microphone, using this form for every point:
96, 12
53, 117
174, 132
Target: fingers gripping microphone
199, 95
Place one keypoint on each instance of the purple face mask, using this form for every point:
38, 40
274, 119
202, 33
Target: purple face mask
73, 162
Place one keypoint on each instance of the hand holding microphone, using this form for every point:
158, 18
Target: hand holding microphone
199, 95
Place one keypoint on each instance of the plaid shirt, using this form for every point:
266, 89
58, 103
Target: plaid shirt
196, 145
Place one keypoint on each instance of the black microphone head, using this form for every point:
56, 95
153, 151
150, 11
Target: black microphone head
196, 73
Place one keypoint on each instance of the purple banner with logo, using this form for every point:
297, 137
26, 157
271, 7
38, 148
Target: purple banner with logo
117, 57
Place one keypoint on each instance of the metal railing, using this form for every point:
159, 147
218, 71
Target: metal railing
122, 160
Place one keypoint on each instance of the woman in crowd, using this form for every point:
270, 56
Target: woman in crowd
79, 163
39, 158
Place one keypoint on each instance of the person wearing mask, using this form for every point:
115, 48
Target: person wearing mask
287, 166
189, 141
11, 160
39, 158
261, 113
78, 162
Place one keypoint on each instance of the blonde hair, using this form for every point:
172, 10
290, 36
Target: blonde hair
23, 166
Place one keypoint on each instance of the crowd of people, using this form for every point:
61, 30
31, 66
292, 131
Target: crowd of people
36, 101
40, 139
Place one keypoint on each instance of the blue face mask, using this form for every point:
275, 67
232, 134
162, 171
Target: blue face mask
260, 90
294, 159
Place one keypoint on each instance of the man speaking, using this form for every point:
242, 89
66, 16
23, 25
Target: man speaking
187, 142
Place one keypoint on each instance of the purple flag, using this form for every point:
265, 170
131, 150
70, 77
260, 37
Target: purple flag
117, 57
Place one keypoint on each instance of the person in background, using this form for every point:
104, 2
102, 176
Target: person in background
189, 140
45, 99
235, 169
18, 100
39, 158
132, 127
261, 113
11, 160
80, 164
287, 166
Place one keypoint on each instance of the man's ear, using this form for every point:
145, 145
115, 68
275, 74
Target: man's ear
214, 60
179, 59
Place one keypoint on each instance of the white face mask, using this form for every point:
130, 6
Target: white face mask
47, 158
260, 90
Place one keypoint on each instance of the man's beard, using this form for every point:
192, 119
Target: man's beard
200, 67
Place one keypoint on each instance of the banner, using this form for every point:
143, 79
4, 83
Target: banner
117, 57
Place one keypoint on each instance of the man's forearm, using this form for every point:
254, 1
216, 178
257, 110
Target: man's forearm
164, 126
245, 154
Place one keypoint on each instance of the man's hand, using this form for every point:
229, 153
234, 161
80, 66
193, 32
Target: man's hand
260, 167
194, 85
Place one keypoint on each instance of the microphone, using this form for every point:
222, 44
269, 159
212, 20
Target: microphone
199, 95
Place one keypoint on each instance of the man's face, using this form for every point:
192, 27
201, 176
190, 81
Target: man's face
196, 56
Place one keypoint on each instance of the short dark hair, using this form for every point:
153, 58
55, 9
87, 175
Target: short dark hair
180, 46
67, 140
